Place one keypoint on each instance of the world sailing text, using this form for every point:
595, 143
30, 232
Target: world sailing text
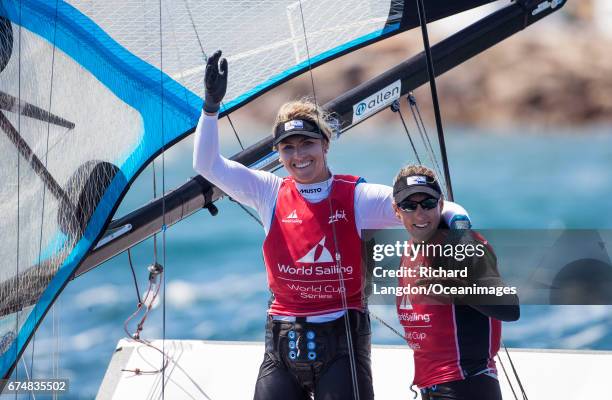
314, 270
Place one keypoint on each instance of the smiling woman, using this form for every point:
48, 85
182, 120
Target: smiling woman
301, 136
318, 328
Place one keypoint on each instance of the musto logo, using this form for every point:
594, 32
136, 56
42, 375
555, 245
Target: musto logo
377, 101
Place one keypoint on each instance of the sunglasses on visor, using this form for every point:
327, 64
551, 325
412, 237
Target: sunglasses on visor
411, 206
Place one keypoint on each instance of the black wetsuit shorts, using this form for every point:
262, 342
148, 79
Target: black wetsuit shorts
304, 359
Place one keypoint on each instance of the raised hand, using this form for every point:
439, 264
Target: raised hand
215, 82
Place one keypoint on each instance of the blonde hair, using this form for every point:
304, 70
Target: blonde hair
307, 110
411, 170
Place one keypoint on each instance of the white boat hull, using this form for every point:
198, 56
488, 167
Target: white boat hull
227, 370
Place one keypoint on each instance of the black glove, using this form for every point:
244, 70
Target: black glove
215, 82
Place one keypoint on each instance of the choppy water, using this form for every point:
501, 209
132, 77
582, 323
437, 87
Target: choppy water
216, 285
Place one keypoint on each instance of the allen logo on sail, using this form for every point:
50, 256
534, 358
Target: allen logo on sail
378, 100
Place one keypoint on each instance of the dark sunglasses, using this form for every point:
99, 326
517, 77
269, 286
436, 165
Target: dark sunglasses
411, 206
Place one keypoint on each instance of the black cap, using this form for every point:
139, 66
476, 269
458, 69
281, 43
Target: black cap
297, 127
409, 185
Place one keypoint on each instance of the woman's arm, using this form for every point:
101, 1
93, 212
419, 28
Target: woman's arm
256, 189
483, 272
373, 209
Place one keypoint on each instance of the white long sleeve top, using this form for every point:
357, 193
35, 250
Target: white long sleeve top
259, 189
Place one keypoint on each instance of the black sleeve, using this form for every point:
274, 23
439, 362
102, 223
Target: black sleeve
484, 274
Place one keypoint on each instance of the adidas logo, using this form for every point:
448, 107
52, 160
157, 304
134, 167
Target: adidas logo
318, 254
292, 218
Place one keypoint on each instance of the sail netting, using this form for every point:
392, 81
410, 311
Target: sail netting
91, 91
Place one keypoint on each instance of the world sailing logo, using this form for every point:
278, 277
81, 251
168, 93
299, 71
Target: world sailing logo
405, 303
292, 218
318, 254
377, 101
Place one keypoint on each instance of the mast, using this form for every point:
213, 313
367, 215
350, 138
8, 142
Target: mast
434, 96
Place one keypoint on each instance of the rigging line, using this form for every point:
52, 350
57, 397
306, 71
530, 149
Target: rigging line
154, 197
235, 131
18, 196
163, 154
246, 210
153, 291
28, 377
129, 253
205, 57
434, 95
55, 359
347, 322
44, 191
180, 76
507, 377
376, 317
396, 107
518, 379
153, 288
418, 120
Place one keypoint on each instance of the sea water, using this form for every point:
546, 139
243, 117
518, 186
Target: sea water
216, 286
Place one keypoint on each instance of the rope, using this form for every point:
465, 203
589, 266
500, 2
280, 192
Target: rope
146, 305
44, 191
163, 155
376, 317
338, 259
129, 252
17, 324
205, 57
246, 210
507, 377
28, 377
518, 379
396, 108
418, 120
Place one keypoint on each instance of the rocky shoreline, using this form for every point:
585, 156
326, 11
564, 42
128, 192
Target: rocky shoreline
552, 75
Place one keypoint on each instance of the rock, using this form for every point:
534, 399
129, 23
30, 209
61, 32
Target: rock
550, 74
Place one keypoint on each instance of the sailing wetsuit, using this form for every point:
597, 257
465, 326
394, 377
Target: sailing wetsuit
364, 206
454, 345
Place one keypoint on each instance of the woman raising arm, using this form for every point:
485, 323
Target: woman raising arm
313, 221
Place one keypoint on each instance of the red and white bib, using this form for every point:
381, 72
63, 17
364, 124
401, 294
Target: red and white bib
300, 251
450, 342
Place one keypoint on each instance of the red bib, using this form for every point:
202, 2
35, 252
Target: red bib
300, 251
450, 342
